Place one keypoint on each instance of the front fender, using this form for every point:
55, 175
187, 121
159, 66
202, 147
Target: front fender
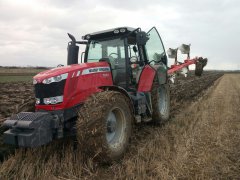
121, 90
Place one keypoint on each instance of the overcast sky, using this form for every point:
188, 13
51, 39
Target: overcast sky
35, 32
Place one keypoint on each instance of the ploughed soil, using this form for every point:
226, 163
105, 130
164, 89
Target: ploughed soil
201, 139
15, 97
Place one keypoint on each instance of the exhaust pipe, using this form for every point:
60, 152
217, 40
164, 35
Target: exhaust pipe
73, 50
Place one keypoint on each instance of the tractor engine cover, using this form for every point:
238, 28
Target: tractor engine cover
28, 129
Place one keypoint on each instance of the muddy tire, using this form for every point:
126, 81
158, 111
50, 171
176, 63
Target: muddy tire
104, 126
160, 95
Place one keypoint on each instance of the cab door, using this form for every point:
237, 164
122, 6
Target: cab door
155, 50
156, 62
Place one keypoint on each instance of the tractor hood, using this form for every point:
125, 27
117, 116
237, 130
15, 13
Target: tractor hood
70, 69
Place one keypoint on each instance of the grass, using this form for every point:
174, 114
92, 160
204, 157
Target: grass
19, 70
4, 79
17, 74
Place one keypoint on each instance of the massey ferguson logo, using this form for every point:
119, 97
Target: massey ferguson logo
95, 70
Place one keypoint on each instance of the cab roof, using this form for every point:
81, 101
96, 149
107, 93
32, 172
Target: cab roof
119, 31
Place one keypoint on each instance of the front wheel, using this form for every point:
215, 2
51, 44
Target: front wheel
160, 95
104, 126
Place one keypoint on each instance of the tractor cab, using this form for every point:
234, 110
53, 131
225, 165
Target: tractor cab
127, 50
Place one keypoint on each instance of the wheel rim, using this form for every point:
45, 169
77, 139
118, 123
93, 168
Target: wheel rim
162, 100
116, 125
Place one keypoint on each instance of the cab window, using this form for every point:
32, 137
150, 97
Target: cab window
154, 47
107, 48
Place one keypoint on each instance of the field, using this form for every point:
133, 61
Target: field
201, 140
14, 74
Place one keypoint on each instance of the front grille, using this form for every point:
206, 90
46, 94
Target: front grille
49, 90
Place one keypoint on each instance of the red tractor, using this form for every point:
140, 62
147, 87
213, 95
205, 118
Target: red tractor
123, 80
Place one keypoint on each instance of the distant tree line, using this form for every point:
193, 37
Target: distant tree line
32, 67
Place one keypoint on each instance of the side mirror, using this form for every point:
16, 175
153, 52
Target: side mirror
135, 49
142, 38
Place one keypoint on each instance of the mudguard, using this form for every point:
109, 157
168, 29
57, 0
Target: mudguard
146, 79
148, 74
121, 90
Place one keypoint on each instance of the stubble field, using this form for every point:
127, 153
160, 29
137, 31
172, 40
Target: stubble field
201, 139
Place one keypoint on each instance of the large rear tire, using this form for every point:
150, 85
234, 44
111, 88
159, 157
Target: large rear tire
104, 126
160, 95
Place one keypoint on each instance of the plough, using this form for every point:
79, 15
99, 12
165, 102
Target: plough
183, 68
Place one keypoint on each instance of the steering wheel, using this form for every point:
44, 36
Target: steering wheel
114, 54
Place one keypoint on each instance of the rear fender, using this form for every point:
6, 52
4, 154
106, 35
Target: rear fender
146, 79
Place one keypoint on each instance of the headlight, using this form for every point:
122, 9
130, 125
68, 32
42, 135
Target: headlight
37, 101
34, 81
116, 31
55, 78
46, 101
122, 30
88, 36
53, 100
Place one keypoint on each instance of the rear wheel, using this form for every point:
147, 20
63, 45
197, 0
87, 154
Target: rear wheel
160, 102
104, 126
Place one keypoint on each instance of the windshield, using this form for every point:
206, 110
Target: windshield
104, 49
